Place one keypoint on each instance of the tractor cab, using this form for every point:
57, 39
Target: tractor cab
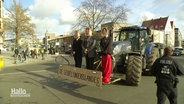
137, 35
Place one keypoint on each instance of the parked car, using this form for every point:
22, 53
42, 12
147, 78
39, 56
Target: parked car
4, 49
176, 52
180, 49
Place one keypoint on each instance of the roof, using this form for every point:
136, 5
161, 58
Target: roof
157, 24
129, 28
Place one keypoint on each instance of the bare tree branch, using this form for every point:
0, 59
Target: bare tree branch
92, 13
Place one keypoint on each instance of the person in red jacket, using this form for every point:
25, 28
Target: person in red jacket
106, 49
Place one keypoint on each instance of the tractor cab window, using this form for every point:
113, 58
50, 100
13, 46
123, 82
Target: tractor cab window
123, 36
143, 39
144, 36
131, 36
128, 35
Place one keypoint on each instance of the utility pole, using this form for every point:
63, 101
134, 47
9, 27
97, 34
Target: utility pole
46, 41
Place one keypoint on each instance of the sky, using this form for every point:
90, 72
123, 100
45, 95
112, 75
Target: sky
56, 16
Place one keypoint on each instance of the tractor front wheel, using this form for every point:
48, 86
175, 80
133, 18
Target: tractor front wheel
134, 70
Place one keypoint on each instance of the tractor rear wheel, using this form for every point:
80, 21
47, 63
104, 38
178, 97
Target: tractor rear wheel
152, 57
134, 70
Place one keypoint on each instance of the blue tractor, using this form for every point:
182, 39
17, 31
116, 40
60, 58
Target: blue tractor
134, 53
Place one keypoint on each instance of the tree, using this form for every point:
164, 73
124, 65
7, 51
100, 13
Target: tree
143, 18
92, 13
18, 22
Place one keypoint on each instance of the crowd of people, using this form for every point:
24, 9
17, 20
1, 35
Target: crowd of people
23, 54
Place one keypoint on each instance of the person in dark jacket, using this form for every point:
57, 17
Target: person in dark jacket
166, 69
25, 54
106, 48
89, 48
16, 52
77, 49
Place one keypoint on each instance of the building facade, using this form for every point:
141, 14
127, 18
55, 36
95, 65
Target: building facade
61, 43
178, 38
165, 25
2, 36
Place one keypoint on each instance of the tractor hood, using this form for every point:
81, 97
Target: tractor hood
120, 47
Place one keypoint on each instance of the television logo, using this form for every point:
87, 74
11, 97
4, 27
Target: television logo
19, 92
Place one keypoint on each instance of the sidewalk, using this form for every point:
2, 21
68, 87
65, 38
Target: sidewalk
9, 60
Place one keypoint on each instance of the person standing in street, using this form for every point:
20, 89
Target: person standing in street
16, 52
25, 54
106, 49
42, 53
89, 48
166, 69
36, 52
77, 49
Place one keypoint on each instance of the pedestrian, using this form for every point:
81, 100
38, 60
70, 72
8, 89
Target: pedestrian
36, 52
77, 49
166, 69
42, 53
106, 49
32, 53
89, 48
25, 54
16, 52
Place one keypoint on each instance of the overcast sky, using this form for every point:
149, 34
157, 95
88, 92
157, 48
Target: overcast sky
56, 16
